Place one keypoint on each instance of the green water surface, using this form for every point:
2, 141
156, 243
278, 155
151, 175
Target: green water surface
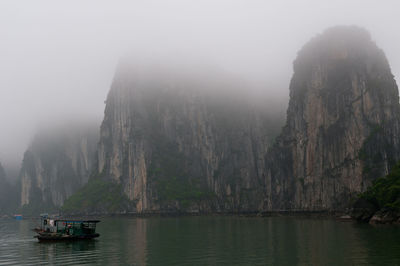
212, 240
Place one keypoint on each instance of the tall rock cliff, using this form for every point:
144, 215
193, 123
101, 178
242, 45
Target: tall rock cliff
342, 127
57, 163
178, 139
4, 186
188, 140
9, 194
2, 176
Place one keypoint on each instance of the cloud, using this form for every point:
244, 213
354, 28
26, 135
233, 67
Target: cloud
58, 57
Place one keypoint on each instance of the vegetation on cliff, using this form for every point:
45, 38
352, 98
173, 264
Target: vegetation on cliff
380, 204
97, 196
385, 191
173, 182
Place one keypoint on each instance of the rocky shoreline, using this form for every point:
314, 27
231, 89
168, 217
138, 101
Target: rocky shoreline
357, 215
311, 214
366, 212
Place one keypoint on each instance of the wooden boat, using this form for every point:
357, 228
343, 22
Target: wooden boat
62, 229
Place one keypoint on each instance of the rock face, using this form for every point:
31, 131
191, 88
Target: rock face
4, 186
2, 176
9, 194
187, 140
182, 141
57, 163
342, 127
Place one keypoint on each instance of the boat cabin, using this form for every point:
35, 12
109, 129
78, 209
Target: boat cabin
68, 227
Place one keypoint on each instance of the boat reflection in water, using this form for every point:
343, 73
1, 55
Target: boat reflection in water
62, 229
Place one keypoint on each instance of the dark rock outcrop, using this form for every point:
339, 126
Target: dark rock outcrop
342, 127
385, 217
58, 163
363, 210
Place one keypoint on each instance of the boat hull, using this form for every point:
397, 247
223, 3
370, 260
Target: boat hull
52, 237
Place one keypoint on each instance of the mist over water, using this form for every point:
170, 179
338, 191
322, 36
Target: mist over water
58, 58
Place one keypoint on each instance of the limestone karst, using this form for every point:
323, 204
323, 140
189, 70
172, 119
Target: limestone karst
185, 139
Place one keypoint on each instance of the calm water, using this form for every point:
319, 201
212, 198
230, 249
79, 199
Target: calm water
209, 241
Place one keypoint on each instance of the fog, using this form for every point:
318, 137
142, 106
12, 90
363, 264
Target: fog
57, 58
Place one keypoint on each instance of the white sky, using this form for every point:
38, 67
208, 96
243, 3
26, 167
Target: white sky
57, 58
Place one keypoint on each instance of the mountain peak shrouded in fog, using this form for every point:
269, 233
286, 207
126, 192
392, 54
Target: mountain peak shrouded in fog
116, 115
342, 126
342, 42
183, 138
58, 59
58, 162
160, 75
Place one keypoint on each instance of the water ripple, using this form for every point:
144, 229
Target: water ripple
208, 241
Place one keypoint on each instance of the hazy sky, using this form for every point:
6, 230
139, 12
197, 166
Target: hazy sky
57, 58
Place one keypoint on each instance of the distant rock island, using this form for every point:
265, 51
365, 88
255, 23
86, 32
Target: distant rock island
190, 140
58, 163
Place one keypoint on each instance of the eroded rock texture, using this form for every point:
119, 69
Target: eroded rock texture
57, 164
186, 139
181, 140
342, 126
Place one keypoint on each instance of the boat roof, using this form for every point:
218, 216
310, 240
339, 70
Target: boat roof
77, 221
